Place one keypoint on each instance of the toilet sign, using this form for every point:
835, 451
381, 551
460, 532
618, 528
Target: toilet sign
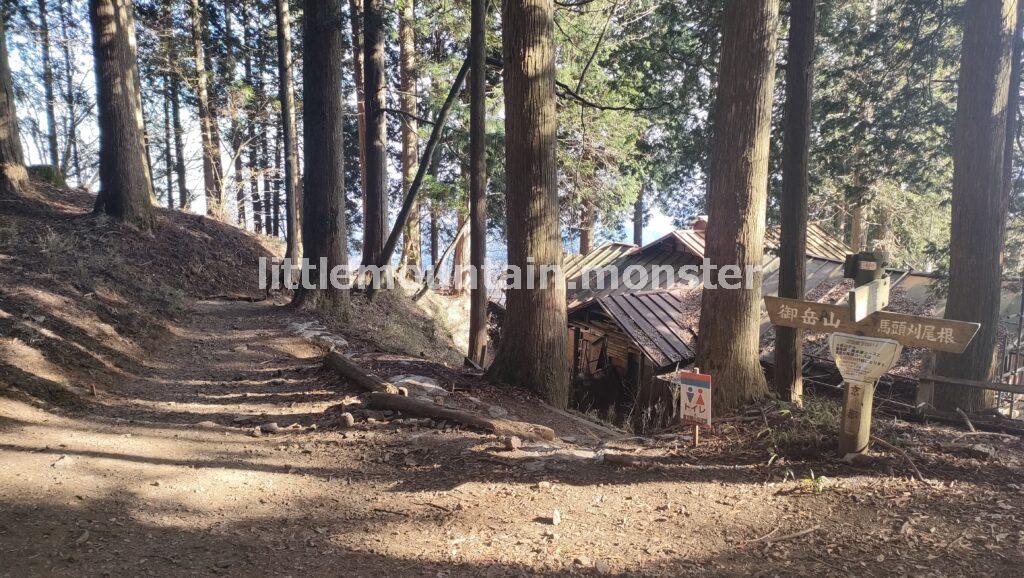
861, 361
695, 397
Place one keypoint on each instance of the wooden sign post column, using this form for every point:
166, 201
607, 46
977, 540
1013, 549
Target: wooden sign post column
861, 361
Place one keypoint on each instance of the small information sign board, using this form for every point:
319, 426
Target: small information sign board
861, 361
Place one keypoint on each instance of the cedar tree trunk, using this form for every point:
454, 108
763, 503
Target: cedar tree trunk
13, 176
737, 198
207, 126
979, 198
478, 179
125, 187
789, 384
533, 351
410, 137
323, 219
291, 158
376, 192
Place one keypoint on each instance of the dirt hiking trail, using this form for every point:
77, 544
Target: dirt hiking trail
166, 477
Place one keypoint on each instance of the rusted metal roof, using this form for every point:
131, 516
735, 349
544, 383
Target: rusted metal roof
587, 276
656, 321
652, 260
690, 240
573, 266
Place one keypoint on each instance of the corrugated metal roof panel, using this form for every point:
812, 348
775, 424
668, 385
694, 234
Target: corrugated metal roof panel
819, 243
650, 260
655, 322
574, 265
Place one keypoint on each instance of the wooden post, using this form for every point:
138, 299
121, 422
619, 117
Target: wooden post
855, 427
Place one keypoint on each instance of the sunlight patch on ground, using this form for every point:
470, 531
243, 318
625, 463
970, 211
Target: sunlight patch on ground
19, 354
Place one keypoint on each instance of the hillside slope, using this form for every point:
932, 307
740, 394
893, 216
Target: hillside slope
84, 297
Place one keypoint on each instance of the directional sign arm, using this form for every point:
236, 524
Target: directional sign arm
910, 330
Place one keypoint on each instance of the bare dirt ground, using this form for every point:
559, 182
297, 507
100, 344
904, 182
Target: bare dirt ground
161, 473
164, 476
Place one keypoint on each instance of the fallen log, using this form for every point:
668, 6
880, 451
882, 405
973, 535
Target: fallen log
357, 375
498, 426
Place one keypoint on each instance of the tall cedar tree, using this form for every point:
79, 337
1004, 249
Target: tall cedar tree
375, 196
533, 351
166, 22
323, 219
291, 158
13, 176
410, 136
793, 201
71, 153
478, 178
737, 199
48, 90
207, 123
235, 136
168, 140
355, 12
979, 198
125, 186
184, 197
252, 79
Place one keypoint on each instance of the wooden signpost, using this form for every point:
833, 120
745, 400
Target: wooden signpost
866, 341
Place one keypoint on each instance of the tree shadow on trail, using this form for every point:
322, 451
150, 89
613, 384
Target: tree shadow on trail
122, 535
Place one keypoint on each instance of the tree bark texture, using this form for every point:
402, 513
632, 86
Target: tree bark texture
410, 137
184, 197
376, 192
587, 222
48, 90
858, 228
125, 185
323, 220
168, 146
355, 11
286, 93
979, 198
207, 125
13, 176
235, 128
737, 199
478, 179
793, 202
460, 260
71, 154
533, 351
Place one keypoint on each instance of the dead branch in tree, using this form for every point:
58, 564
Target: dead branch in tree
421, 170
